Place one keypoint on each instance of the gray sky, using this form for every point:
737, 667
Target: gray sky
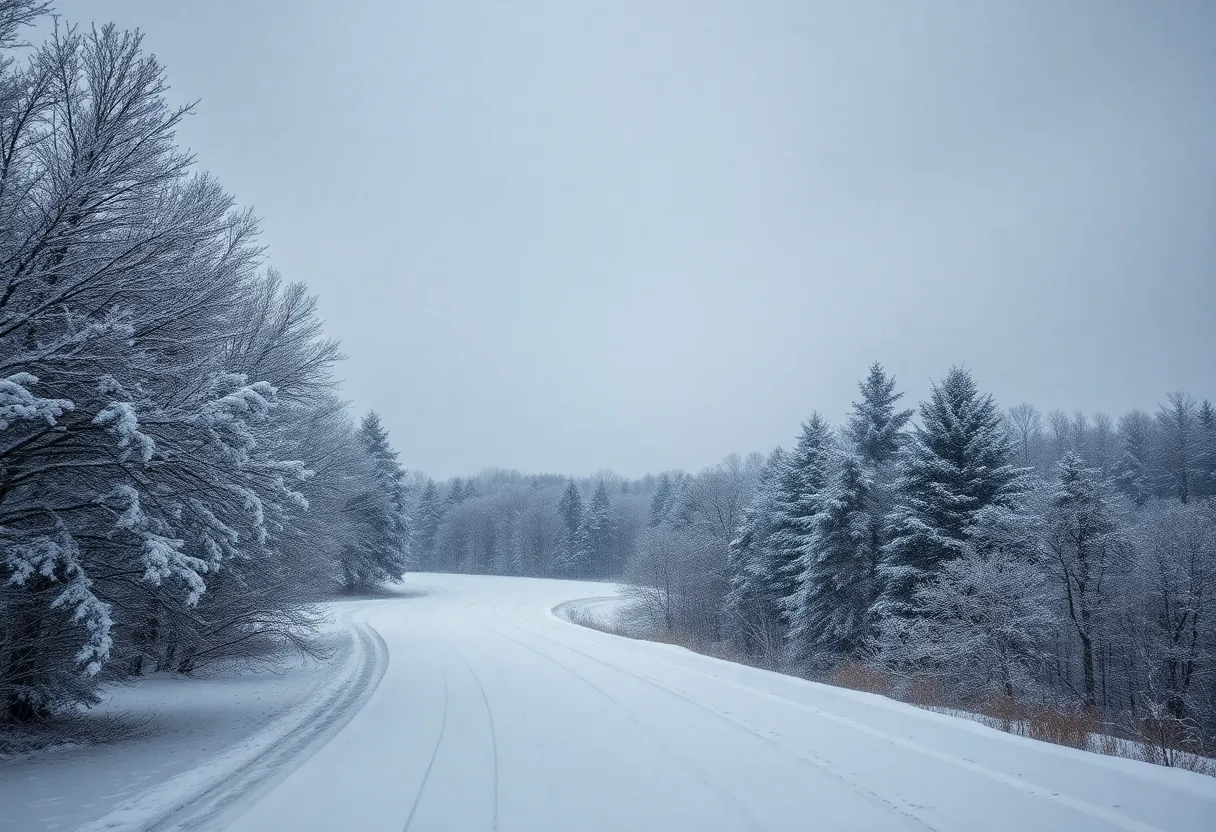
562, 235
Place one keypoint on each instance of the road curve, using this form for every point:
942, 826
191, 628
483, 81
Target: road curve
494, 714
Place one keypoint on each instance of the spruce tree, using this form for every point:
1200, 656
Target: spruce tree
574, 546
1178, 433
837, 583
570, 506
1133, 469
799, 497
380, 551
875, 428
837, 586
599, 525
660, 503
679, 507
426, 525
578, 558
755, 620
456, 494
956, 464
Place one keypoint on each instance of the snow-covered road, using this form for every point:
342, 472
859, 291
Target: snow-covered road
495, 714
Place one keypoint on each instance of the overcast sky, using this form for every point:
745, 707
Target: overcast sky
565, 235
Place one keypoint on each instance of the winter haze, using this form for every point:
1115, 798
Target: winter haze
562, 236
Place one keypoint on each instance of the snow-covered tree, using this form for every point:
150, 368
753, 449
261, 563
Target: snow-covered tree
427, 518
837, 586
986, 618
875, 427
1083, 545
597, 534
800, 489
957, 463
456, 493
837, 571
175, 460
1171, 607
381, 550
1134, 465
577, 547
1180, 446
1026, 431
660, 502
754, 615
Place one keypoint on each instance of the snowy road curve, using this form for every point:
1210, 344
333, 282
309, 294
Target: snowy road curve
494, 714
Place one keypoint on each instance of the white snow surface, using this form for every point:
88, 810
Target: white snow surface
477, 707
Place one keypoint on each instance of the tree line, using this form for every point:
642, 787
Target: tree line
507, 523
1007, 558
178, 473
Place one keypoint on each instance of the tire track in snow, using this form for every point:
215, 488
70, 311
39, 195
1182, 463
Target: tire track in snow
334, 713
493, 734
816, 763
443, 724
720, 789
199, 797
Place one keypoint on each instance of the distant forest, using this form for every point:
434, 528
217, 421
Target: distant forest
1001, 559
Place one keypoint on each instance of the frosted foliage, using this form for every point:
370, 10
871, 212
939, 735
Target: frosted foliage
236, 407
58, 561
119, 418
161, 554
984, 620
17, 403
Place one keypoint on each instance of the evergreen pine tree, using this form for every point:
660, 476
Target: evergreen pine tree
456, 494
660, 503
570, 506
381, 549
837, 582
575, 545
577, 560
799, 498
1135, 462
599, 524
679, 508
1178, 433
426, 525
956, 464
755, 620
875, 428
837, 585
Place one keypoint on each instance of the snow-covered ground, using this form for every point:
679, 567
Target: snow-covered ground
195, 741
494, 713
